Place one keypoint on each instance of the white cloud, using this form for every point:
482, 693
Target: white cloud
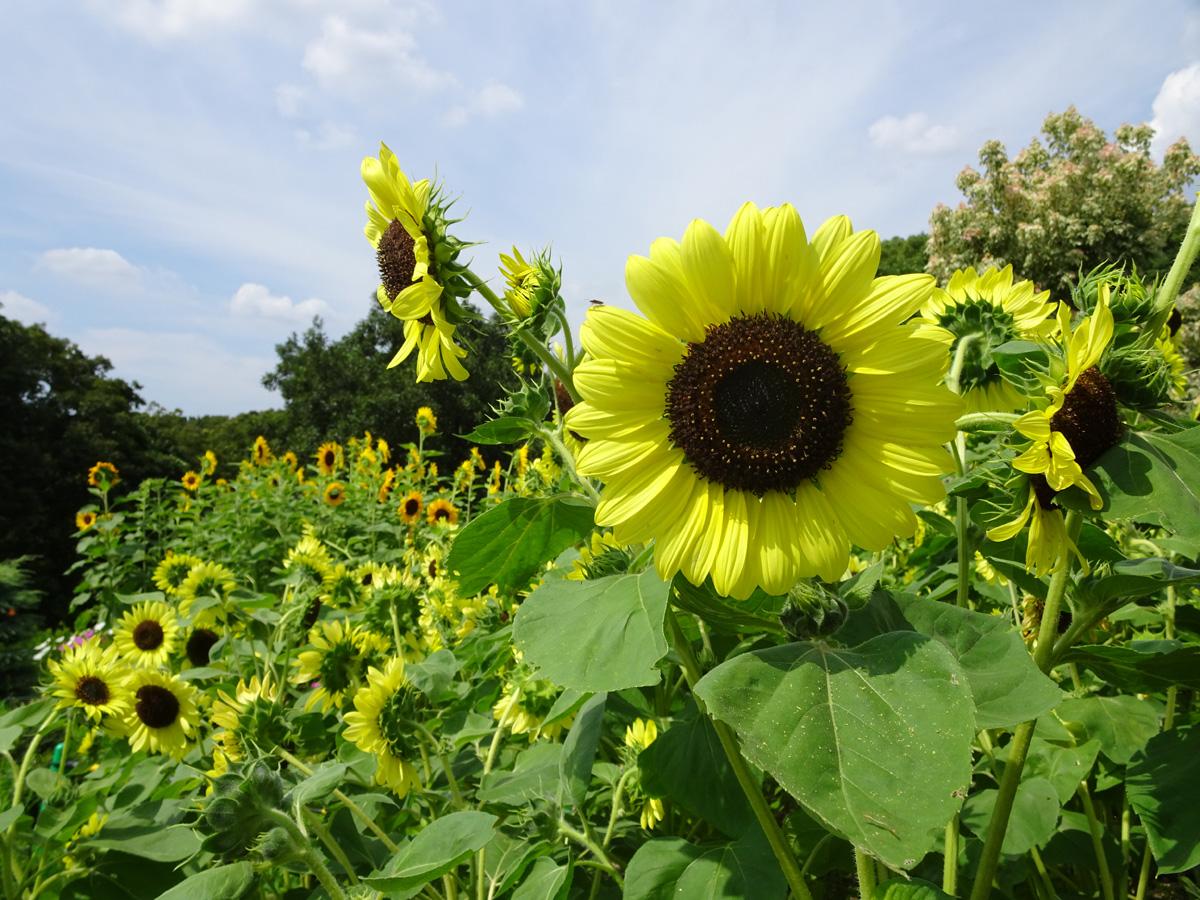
183, 369
23, 309
90, 265
349, 59
1177, 109
256, 301
289, 100
329, 136
492, 100
158, 20
912, 134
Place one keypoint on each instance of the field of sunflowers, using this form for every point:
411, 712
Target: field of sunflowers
797, 582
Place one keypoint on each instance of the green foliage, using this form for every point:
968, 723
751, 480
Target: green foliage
1068, 202
1162, 789
19, 622
904, 255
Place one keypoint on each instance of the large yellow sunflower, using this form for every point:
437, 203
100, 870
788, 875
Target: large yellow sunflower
334, 666
164, 714
146, 634
103, 474
92, 679
981, 312
384, 710
206, 581
410, 289
770, 409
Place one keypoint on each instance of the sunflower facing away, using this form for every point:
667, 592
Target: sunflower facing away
92, 679
249, 719
770, 408
146, 634
410, 290
1074, 430
211, 583
164, 713
981, 312
169, 574
384, 710
334, 665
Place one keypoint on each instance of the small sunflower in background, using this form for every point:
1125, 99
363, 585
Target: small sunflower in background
410, 508
262, 451
1079, 422
170, 574
146, 635
335, 493
329, 457
206, 581
638, 736
164, 713
84, 520
426, 421
208, 463
103, 474
308, 561
386, 710
524, 704
981, 312
92, 679
771, 407
442, 512
333, 666
385, 487
290, 460
190, 481
341, 586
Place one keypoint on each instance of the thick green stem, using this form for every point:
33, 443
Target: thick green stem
354, 808
1143, 875
1097, 832
335, 849
455, 793
962, 526
864, 866
950, 858
1165, 297
985, 421
550, 436
311, 857
762, 812
1043, 656
19, 784
596, 850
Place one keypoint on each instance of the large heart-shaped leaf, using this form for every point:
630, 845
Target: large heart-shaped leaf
874, 741
1032, 821
1122, 725
437, 848
1161, 781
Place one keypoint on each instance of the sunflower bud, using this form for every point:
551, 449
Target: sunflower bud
812, 611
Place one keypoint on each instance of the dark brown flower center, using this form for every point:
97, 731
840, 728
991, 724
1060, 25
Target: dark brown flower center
397, 257
441, 512
1090, 422
761, 404
412, 506
330, 459
148, 635
156, 706
91, 690
199, 643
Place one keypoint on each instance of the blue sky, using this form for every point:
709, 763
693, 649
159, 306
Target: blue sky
180, 177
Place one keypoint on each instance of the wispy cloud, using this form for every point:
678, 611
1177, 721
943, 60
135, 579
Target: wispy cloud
913, 133
90, 266
23, 309
256, 301
489, 102
1177, 110
346, 58
160, 20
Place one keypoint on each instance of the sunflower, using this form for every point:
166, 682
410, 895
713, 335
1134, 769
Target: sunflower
1077, 426
262, 451
524, 705
164, 713
92, 679
981, 312
190, 481
334, 664
442, 512
204, 581
84, 519
146, 634
329, 457
341, 586
309, 558
771, 409
384, 710
249, 719
406, 226
384, 449
291, 460
170, 574
208, 462
103, 474
410, 508
385, 487
335, 493
426, 421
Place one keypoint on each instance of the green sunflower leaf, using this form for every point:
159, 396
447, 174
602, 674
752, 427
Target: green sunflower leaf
546, 881
600, 635
579, 751
1122, 725
665, 868
502, 430
436, 849
510, 543
1142, 666
891, 722
222, 883
1161, 781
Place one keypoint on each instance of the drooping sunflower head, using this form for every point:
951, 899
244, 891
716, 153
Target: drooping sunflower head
773, 406
335, 493
426, 421
980, 312
601, 556
190, 481
329, 457
386, 710
164, 713
146, 635
442, 512
103, 475
204, 592
84, 519
170, 574
93, 679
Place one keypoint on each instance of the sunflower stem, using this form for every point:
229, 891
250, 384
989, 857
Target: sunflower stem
326, 838
346, 801
864, 867
1164, 299
310, 856
1094, 827
1043, 657
962, 525
762, 812
550, 436
950, 858
596, 850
